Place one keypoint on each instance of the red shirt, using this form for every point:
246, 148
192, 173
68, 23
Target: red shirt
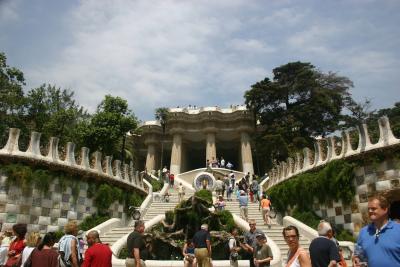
98, 255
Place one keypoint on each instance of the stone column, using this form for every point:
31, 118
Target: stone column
176, 154
245, 149
210, 146
151, 157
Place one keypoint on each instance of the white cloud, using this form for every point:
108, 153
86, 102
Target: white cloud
168, 53
9, 11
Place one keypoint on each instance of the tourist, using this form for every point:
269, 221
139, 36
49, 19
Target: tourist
247, 178
17, 245
229, 165
171, 180
266, 206
262, 253
226, 184
254, 188
218, 186
243, 205
229, 192
136, 245
222, 162
234, 248
331, 236
232, 178
98, 254
237, 191
165, 175
68, 245
214, 163
166, 196
181, 192
202, 244
297, 256
32, 241
189, 259
220, 204
250, 241
323, 251
45, 255
6, 239
379, 241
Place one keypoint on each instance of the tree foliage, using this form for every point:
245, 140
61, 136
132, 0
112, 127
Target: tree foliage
109, 126
299, 103
54, 112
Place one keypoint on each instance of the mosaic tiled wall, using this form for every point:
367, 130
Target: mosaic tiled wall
50, 211
377, 178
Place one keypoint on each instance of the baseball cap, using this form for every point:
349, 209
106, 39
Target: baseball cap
261, 236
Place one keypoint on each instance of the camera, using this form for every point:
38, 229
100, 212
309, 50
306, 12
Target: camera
234, 256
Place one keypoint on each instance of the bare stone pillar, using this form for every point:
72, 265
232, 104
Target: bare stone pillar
176, 154
151, 157
210, 146
245, 149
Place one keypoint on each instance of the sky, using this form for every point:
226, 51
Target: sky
205, 53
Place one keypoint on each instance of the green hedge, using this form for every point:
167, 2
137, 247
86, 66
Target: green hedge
333, 182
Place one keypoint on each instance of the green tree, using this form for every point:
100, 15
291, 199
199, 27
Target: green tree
109, 126
54, 112
300, 102
161, 114
11, 96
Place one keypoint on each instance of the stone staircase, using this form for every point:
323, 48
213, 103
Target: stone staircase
156, 208
275, 232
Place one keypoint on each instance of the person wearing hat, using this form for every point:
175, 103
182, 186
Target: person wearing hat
262, 253
250, 242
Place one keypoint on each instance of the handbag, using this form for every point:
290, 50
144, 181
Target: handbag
28, 262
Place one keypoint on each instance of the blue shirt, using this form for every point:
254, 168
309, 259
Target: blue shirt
382, 250
243, 201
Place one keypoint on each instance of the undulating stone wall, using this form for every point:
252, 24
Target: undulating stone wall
370, 180
48, 211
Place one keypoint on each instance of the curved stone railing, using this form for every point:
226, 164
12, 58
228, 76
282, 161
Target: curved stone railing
104, 169
324, 154
187, 177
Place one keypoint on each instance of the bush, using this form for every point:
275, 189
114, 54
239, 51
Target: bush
307, 217
156, 184
333, 182
204, 194
345, 235
92, 221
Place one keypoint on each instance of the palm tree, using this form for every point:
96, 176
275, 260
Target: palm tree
161, 114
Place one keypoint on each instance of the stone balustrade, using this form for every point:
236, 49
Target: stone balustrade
332, 150
107, 170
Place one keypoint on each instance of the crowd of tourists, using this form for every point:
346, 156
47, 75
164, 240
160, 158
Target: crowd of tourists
218, 163
20, 248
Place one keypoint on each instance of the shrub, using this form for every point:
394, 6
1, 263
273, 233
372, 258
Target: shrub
91, 221
204, 194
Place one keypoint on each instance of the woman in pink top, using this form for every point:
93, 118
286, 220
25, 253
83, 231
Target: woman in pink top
297, 256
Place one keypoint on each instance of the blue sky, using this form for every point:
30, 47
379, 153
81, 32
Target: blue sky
204, 53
